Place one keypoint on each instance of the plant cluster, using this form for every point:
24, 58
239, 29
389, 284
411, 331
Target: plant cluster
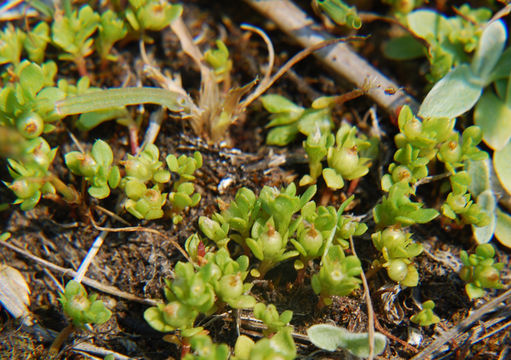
256, 233
480, 271
448, 40
426, 316
83, 308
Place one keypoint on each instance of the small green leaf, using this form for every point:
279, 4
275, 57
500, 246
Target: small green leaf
444, 99
282, 135
99, 192
31, 79
102, 153
279, 104
333, 180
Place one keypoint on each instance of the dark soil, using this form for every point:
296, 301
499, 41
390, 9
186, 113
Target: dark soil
137, 262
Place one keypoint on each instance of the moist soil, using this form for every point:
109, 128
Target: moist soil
137, 262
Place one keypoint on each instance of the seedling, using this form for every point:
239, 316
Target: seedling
271, 318
398, 249
426, 316
82, 308
279, 346
203, 348
32, 175
480, 271
96, 167
183, 193
202, 290
338, 275
72, 32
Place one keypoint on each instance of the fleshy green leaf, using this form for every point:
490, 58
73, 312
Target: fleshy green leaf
490, 47
493, 117
488, 203
444, 99
479, 173
503, 228
501, 164
329, 337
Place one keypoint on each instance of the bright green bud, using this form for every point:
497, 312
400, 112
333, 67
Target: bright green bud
81, 164
485, 251
487, 276
401, 173
137, 169
311, 240
23, 188
135, 189
177, 315
343, 160
450, 152
271, 242
393, 238
30, 125
230, 286
397, 270
413, 129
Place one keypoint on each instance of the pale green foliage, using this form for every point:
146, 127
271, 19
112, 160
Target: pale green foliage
203, 348
289, 119
329, 337
449, 40
443, 99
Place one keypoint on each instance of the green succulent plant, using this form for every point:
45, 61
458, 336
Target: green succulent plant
96, 167
270, 317
72, 32
203, 348
280, 346
426, 316
480, 271
289, 119
398, 250
338, 275
82, 308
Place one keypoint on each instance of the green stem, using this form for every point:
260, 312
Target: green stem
70, 194
112, 98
